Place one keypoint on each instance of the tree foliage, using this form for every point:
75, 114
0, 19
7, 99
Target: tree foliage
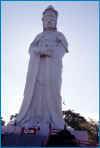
78, 122
2, 122
12, 117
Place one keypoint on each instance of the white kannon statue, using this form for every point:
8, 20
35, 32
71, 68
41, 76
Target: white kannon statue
42, 100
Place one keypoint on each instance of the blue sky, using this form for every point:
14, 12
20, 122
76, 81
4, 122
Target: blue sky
21, 22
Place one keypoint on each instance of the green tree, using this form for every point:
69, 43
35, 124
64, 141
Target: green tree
74, 119
12, 117
78, 122
2, 122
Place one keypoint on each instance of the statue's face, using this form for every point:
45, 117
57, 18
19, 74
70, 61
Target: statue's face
49, 22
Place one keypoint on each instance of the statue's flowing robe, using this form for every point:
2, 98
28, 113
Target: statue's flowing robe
42, 100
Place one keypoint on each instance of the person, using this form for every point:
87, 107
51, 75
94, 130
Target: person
42, 99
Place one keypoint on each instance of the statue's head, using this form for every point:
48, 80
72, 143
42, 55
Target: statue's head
49, 18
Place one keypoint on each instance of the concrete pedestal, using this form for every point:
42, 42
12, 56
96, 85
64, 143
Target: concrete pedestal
22, 140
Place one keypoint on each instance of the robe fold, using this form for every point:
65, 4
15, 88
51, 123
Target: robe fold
42, 100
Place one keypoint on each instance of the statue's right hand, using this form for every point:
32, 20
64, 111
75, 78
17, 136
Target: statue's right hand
44, 56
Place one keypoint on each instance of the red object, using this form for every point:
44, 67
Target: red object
30, 131
94, 145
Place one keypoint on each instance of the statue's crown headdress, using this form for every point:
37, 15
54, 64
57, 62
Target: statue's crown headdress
50, 11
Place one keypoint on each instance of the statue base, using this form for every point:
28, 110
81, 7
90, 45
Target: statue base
43, 137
